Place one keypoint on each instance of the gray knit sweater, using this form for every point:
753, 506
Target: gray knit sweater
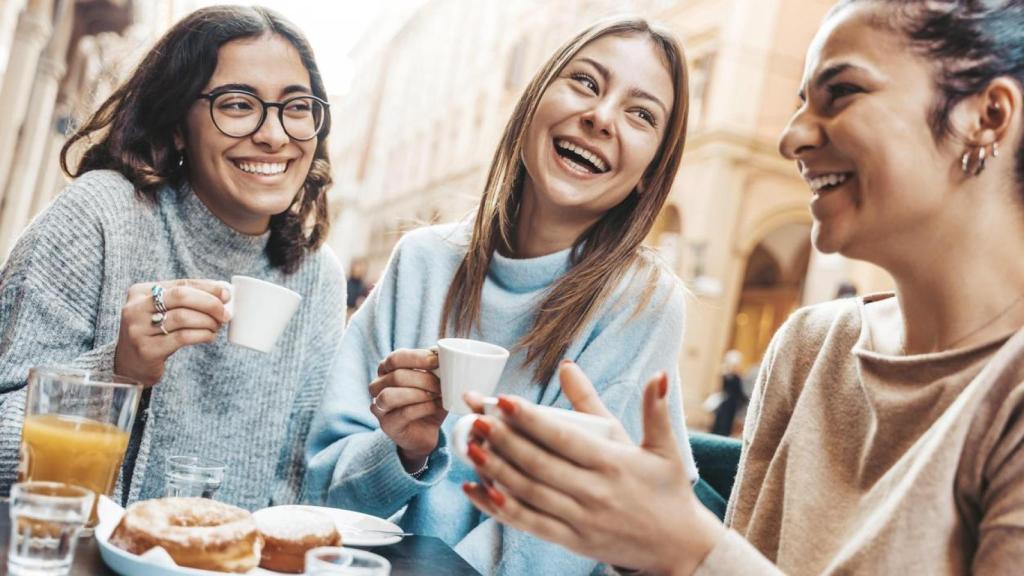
61, 292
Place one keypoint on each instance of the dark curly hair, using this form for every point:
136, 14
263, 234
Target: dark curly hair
971, 42
134, 128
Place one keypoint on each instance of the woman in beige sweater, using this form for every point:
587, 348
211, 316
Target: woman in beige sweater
886, 434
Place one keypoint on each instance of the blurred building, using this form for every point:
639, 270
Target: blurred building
415, 136
59, 59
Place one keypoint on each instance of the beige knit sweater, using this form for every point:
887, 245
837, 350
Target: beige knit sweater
856, 462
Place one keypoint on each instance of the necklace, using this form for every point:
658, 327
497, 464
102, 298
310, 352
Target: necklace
987, 323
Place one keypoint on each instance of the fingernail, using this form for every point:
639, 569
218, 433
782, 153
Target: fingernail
477, 454
225, 294
507, 406
663, 385
564, 362
482, 428
227, 316
497, 497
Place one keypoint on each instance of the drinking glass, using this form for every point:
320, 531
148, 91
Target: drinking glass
337, 561
193, 476
46, 519
76, 430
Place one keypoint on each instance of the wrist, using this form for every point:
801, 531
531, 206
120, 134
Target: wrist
413, 462
688, 548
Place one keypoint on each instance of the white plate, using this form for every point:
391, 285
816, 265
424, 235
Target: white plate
348, 523
128, 564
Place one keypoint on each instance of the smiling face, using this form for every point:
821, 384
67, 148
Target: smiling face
245, 181
597, 127
862, 140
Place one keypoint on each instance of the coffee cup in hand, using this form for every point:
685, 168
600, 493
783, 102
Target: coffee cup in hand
467, 365
260, 311
588, 423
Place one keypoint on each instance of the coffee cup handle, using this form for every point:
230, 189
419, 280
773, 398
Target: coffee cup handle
460, 437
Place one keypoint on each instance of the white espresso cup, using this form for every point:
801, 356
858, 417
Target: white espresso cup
594, 425
467, 365
260, 311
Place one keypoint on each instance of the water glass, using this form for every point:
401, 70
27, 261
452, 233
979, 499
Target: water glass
46, 519
193, 476
76, 429
337, 561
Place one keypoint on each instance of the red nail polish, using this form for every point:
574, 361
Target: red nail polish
482, 428
507, 406
468, 487
477, 454
663, 385
497, 497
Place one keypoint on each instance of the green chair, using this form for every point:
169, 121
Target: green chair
717, 458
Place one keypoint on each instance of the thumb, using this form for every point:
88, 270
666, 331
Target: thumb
658, 435
580, 391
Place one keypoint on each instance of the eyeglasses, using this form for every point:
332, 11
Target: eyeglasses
239, 114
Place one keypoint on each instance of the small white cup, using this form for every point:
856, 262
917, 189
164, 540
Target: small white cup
259, 311
466, 365
588, 423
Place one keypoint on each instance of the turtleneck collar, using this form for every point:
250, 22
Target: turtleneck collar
227, 249
529, 274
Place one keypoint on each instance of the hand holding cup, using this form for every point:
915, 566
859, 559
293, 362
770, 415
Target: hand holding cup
159, 318
407, 403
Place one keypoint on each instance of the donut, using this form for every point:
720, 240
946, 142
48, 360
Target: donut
196, 532
288, 532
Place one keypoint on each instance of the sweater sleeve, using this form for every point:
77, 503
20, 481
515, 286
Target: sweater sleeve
321, 353
733, 555
50, 291
1001, 530
351, 463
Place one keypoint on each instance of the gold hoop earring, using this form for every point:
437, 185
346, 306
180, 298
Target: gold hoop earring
977, 166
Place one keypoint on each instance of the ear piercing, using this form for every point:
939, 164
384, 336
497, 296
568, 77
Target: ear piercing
972, 163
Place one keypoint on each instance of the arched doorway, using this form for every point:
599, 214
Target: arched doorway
772, 286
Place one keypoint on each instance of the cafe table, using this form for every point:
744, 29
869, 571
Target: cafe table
413, 556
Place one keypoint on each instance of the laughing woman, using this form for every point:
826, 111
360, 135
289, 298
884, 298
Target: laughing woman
209, 161
552, 268
886, 433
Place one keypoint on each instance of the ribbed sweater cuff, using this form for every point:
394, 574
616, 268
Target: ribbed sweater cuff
734, 556
100, 359
382, 478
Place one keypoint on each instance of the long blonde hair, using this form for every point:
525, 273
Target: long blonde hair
606, 251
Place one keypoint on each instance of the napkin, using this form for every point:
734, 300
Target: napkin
110, 514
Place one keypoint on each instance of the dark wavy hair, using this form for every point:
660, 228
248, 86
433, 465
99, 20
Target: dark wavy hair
970, 42
133, 131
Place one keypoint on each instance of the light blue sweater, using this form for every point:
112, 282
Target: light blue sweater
352, 464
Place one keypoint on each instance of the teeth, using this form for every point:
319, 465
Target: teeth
820, 182
593, 158
263, 168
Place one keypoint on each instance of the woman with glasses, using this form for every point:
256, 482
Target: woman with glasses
551, 268
209, 161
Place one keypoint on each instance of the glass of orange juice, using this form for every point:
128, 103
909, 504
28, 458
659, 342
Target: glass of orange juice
76, 430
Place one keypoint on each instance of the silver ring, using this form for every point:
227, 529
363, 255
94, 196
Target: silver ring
164, 329
158, 298
378, 406
157, 319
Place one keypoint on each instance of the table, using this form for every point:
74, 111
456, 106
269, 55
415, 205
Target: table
413, 556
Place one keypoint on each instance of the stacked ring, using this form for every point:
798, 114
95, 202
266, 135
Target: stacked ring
158, 321
158, 299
